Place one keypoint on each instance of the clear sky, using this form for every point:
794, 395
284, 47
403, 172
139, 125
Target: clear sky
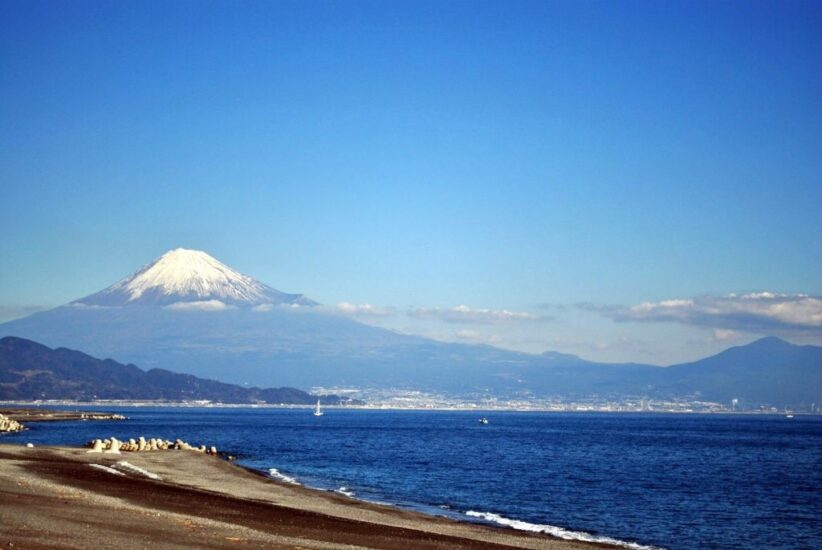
551, 166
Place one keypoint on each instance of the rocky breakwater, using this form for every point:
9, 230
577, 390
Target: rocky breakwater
52, 415
105, 416
9, 425
141, 444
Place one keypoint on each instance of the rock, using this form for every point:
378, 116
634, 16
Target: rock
114, 448
212, 450
96, 446
141, 443
30, 445
102, 417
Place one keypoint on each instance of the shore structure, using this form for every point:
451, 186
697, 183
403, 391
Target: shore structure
23, 415
9, 424
65, 497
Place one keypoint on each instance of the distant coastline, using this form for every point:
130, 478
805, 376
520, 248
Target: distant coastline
381, 407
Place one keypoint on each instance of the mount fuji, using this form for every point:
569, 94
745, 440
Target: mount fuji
187, 312
190, 279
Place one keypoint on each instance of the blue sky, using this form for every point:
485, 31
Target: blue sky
564, 160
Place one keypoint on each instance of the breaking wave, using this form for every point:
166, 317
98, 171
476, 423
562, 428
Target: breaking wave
555, 531
275, 473
345, 491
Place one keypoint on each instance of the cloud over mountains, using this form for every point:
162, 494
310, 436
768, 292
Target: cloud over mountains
466, 314
367, 310
753, 312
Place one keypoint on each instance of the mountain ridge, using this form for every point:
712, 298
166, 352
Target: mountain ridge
30, 370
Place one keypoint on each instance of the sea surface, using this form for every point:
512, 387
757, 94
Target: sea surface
661, 480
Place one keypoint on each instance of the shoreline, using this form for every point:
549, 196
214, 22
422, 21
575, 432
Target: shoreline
52, 497
200, 405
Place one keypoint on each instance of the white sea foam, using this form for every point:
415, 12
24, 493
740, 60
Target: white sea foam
345, 491
555, 531
275, 473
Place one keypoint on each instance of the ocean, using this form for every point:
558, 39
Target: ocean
640, 480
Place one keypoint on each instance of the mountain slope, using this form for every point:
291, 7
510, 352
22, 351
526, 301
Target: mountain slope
29, 370
304, 347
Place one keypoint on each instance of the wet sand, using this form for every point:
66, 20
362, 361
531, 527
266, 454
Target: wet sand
50, 497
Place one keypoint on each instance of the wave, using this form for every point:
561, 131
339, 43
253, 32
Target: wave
345, 491
555, 531
275, 473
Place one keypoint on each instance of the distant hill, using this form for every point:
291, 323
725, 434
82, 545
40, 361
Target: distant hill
29, 371
769, 370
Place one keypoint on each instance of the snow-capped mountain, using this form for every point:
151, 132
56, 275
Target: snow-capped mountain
190, 279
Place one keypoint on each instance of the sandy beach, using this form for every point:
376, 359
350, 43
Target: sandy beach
51, 497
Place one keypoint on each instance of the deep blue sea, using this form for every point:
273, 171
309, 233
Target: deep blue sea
671, 481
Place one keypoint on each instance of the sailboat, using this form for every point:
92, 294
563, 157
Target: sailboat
317, 411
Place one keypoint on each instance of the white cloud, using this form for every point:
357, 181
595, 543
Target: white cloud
465, 314
205, 305
753, 312
468, 335
263, 308
726, 335
355, 310
81, 305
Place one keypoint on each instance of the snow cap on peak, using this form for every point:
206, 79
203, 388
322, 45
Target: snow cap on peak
182, 275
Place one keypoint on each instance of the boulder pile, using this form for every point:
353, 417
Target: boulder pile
92, 416
9, 425
142, 444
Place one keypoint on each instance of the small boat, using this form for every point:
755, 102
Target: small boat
318, 411
483, 421
789, 415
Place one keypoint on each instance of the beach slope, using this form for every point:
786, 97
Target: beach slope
52, 497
